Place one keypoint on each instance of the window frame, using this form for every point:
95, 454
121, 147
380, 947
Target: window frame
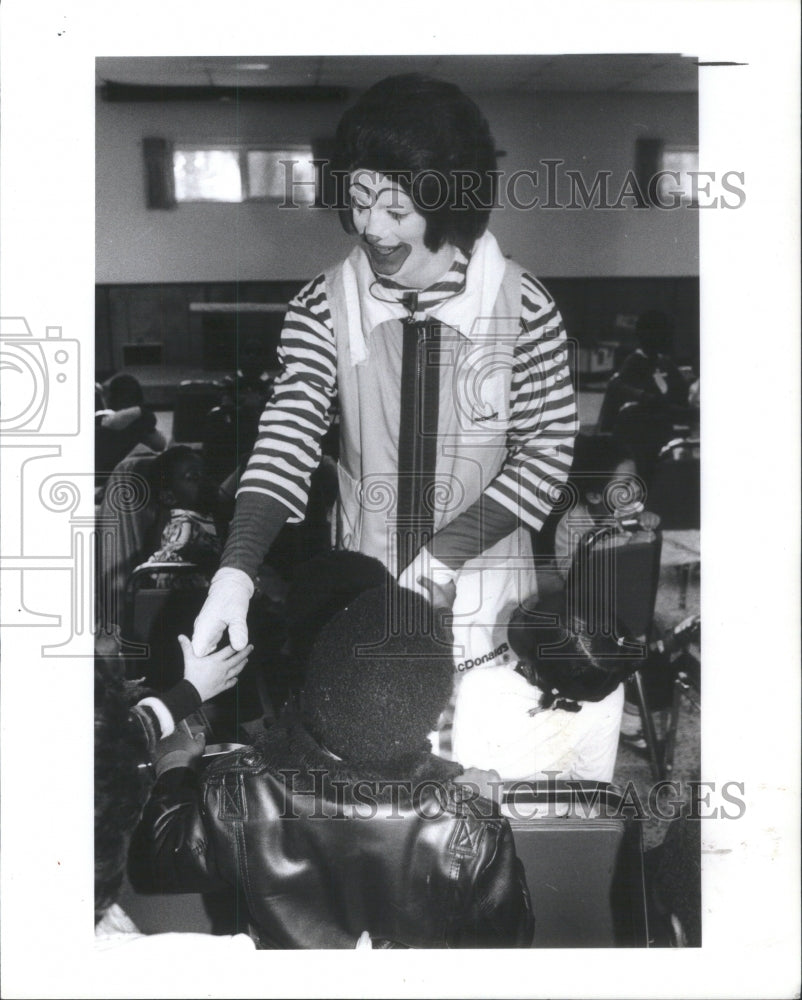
242, 149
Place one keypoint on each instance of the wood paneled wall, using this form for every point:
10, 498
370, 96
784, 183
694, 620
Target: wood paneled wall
592, 309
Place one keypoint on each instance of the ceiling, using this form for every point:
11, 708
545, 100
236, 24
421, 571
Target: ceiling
651, 73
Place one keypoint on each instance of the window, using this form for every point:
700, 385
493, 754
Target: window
234, 172
653, 159
207, 175
680, 160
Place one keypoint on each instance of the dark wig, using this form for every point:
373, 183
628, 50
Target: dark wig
378, 677
568, 661
432, 140
121, 787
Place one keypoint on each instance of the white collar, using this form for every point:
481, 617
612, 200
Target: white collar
469, 311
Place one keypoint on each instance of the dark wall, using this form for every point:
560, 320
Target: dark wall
606, 309
160, 314
593, 309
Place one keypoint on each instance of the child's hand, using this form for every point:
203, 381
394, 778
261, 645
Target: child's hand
483, 781
215, 673
180, 749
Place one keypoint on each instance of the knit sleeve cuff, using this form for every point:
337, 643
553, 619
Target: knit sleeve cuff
181, 700
257, 520
473, 531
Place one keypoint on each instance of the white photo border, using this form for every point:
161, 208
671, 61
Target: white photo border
750, 588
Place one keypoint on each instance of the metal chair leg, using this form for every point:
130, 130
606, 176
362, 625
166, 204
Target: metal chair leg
649, 733
672, 723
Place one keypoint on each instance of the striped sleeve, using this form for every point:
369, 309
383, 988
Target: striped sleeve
543, 417
288, 446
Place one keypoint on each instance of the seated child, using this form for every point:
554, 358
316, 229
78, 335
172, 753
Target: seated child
126, 735
610, 495
558, 713
411, 865
122, 421
181, 488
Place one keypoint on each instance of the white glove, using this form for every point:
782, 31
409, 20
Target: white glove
226, 606
430, 578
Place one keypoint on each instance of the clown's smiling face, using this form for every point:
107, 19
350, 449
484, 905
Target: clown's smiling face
391, 232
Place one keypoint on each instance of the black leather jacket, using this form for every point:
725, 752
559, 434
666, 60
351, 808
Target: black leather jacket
322, 854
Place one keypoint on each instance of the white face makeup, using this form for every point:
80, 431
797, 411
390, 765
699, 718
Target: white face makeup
391, 232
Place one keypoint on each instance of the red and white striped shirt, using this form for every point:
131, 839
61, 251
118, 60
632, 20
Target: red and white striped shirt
543, 418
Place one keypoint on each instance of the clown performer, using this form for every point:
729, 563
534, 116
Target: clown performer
449, 367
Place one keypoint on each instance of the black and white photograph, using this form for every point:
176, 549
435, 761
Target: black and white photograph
428, 426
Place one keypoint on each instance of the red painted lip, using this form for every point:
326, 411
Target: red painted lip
387, 260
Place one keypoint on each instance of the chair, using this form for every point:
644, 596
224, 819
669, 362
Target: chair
687, 680
674, 493
125, 522
153, 619
612, 586
143, 604
614, 399
583, 859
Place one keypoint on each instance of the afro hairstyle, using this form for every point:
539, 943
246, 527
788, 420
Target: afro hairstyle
379, 676
320, 588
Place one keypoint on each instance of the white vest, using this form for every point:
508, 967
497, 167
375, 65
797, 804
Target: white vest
474, 408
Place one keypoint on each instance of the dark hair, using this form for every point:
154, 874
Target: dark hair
163, 467
569, 659
378, 677
321, 588
596, 458
124, 390
429, 137
121, 787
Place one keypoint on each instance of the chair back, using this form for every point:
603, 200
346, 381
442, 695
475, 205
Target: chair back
125, 521
582, 854
613, 400
675, 493
144, 602
613, 581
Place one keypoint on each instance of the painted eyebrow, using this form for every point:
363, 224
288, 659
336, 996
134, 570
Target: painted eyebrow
358, 188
